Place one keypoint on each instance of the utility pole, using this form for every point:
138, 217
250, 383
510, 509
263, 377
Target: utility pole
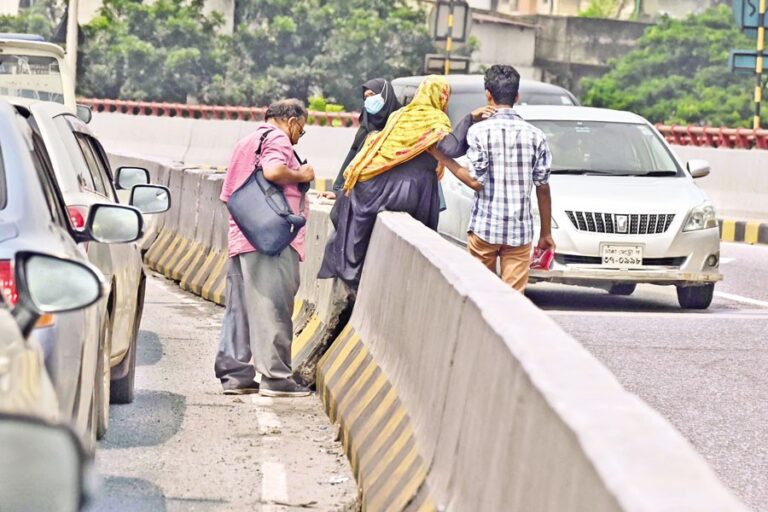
759, 62
449, 39
71, 56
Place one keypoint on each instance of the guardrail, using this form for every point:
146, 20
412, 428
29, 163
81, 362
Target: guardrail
709, 136
182, 110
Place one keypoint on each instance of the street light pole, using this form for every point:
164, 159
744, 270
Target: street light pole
71, 57
759, 62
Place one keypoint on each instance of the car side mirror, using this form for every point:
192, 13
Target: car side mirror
150, 199
84, 113
128, 177
49, 284
698, 168
44, 466
111, 224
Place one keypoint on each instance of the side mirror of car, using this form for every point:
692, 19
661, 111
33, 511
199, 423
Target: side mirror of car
111, 224
84, 113
150, 198
128, 177
49, 284
44, 466
698, 168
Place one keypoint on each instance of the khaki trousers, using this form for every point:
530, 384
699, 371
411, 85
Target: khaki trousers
515, 261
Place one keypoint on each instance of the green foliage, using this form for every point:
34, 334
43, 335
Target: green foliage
601, 9
166, 50
170, 50
39, 19
679, 74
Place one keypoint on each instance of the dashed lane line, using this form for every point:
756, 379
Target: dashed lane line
742, 300
274, 486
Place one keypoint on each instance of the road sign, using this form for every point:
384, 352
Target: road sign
747, 14
743, 62
436, 64
440, 22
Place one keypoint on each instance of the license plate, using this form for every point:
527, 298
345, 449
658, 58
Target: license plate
622, 256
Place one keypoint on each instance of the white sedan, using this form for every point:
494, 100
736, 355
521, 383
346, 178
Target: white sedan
625, 210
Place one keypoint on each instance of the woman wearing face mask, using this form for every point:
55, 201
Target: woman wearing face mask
393, 171
379, 103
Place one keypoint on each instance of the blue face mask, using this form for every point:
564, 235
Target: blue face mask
374, 104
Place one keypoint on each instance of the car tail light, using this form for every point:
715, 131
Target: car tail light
11, 294
77, 215
8, 283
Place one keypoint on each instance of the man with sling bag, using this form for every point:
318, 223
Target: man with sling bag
261, 288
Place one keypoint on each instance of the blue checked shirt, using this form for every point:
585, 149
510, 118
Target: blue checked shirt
507, 156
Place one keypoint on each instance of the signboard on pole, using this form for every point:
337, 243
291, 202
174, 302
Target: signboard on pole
440, 21
742, 62
435, 64
747, 16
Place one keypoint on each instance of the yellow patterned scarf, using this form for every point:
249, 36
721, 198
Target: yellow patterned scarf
409, 132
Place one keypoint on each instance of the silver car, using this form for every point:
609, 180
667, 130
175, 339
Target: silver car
33, 217
85, 178
625, 210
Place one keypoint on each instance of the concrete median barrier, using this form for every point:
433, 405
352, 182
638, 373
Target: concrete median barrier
453, 392
166, 236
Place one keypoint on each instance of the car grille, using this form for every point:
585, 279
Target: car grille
635, 223
571, 259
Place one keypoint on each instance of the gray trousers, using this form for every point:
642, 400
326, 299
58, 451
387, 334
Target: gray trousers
258, 320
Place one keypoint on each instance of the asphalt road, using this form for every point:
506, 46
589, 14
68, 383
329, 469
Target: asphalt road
183, 446
706, 372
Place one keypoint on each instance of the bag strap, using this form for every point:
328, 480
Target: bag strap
303, 187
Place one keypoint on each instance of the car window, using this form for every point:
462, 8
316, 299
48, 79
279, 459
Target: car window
607, 148
45, 175
92, 163
102, 164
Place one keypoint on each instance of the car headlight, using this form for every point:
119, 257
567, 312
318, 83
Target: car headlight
537, 219
701, 217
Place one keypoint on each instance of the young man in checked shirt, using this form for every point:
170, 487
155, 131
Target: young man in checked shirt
508, 156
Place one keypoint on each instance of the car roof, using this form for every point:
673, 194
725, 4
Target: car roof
476, 83
26, 44
569, 113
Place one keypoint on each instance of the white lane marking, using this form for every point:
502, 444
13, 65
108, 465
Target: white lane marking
743, 300
274, 485
268, 422
725, 261
261, 400
756, 314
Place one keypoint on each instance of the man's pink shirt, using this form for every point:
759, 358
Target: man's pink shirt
277, 149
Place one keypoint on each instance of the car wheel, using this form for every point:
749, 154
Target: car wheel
122, 391
622, 289
103, 380
695, 297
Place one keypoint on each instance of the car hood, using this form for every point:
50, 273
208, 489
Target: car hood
625, 194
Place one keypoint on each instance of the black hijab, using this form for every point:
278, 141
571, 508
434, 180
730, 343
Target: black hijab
370, 122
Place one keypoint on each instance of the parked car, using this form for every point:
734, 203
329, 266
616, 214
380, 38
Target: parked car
33, 215
468, 93
625, 209
44, 466
84, 176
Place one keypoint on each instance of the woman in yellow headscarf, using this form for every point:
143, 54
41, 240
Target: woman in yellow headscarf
394, 172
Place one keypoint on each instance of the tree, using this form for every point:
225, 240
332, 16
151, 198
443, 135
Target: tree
167, 50
679, 74
39, 19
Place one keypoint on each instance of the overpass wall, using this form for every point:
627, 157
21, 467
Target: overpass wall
484, 403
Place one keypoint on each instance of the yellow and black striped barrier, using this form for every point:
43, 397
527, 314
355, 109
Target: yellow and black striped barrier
750, 232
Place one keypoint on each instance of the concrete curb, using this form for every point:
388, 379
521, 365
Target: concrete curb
747, 231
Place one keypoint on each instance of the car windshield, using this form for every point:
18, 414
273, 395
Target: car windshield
28, 76
462, 103
617, 149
